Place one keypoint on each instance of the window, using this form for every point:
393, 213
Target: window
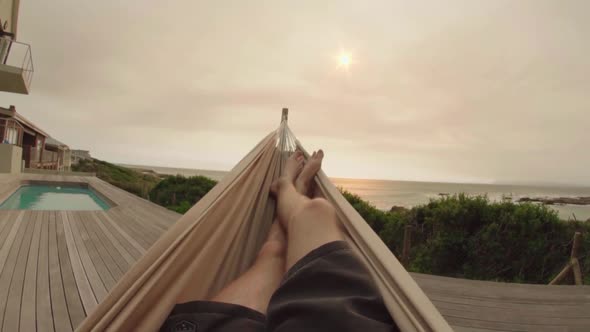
11, 136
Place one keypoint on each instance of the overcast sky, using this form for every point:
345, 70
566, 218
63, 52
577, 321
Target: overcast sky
467, 91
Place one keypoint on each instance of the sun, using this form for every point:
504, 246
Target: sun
344, 59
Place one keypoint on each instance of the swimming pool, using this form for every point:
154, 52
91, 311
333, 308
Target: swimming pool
46, 197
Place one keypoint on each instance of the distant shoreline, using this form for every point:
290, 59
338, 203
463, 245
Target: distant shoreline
385, 194
204, 172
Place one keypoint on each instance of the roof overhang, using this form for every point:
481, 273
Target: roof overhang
23, 121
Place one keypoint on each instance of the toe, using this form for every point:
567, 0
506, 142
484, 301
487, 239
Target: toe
320, 154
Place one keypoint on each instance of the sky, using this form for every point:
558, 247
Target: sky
450, 91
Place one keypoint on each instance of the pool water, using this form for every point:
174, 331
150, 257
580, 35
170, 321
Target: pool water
42, 197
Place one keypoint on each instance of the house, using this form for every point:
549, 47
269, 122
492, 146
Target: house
60, 153
78, 155
24, 145
16, 61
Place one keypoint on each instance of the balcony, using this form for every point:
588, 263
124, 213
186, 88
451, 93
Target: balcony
16, 66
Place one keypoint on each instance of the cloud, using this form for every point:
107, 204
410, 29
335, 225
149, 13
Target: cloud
460, 91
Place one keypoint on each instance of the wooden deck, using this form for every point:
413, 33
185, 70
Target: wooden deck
55, 266
470, 305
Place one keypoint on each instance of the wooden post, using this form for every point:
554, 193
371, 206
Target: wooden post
561, 274
407, 244
576, 245
285, 115
573, 264
574, 257
577, 272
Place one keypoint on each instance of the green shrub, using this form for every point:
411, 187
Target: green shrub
122, 177
180, 193
474, 238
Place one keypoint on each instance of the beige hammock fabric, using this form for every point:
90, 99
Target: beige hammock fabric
218, 239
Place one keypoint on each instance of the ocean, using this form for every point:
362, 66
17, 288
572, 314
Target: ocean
385, 193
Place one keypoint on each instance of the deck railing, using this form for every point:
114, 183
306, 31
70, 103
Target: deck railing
43, 159
19, 55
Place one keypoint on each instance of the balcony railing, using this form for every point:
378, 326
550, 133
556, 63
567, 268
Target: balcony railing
43, 159
16, 66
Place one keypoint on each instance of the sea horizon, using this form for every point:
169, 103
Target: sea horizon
385, 194
491, 183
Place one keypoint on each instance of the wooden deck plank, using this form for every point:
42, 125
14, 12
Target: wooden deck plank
457, 285
96, 261
13, 302
141, 225
131, 247
113, 258
517, 317
128, 227
122, 252
481, 305
59, 309
98, 288
11, 262
10, 236
103, 254
153, 217
550, 310
82, 282
162, 215
128, 237
44, 313
72, 290
6, 220
144, 222
131, 228
504, 292
28, 303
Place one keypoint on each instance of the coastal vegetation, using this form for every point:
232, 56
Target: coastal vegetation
179, 193
454, 235
135, 182
474, 238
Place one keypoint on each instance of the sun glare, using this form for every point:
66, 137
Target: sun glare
344, 59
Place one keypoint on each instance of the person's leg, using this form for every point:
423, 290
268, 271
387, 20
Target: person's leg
241, 305
254, 288
326, 287
310, 223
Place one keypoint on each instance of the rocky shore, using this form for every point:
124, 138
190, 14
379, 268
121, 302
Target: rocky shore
557, 200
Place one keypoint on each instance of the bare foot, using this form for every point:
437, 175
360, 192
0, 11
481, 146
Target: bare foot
311, 168
293, 167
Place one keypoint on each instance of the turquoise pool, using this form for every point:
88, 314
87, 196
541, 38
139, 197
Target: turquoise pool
43, 197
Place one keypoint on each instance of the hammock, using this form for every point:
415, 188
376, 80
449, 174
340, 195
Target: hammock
219, 237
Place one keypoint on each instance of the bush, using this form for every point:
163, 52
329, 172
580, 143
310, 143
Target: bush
122, 177
180, 193
474, 238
